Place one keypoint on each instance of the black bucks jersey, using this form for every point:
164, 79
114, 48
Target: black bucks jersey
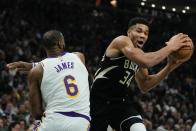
113, 78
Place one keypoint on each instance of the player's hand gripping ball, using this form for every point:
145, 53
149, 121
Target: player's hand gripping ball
184, 52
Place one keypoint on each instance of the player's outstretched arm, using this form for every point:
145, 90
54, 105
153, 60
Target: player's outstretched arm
124, 44
20, 66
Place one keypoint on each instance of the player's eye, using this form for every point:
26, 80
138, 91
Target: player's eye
139, 31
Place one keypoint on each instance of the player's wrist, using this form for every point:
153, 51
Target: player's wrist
169, 67
34, 64
169, 47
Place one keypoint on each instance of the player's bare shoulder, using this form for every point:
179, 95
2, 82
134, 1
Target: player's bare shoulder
81, 56
36, 72
114, 49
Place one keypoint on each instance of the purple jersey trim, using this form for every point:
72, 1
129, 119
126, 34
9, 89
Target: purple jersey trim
74, 114
62, 54
36, 125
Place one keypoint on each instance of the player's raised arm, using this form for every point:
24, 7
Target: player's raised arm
147, 82
125, 45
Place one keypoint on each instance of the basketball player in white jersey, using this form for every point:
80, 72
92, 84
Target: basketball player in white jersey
60, 82
194, 127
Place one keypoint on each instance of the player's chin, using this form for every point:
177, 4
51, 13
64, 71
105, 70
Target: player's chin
139, 46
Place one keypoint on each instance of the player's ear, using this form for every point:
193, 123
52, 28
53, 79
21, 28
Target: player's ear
128, 32
60, 45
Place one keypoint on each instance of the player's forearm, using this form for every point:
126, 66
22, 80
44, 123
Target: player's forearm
37, 115
36, 109
28, 66
147, 60
154, 58
153, 80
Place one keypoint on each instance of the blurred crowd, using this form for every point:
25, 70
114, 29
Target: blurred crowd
88, 28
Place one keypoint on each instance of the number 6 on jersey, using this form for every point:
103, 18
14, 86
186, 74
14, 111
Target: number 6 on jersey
71, 87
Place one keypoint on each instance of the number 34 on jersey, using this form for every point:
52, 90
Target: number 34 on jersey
131, 68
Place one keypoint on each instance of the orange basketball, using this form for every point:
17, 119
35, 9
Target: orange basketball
184, 52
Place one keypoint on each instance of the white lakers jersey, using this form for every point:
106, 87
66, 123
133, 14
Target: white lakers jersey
64, 85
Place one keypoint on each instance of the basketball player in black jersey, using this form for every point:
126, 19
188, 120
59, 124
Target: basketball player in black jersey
124, 60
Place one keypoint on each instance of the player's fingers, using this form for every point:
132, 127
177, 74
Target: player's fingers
188, 39
13, 65
179, 34
182, 44
10, 66
183, 36
185, 39
188, 42
20, 69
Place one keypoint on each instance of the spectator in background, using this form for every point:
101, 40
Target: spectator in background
23, 125
14, 126
2, 127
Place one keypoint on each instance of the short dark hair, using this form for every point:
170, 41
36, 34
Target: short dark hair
52, 38
12, 125
138, 20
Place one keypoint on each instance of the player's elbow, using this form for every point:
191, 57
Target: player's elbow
37, 114
143, 88
144, 91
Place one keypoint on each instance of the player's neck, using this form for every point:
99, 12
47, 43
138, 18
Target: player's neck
54, 53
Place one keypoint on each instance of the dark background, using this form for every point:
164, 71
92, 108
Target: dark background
89, 26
